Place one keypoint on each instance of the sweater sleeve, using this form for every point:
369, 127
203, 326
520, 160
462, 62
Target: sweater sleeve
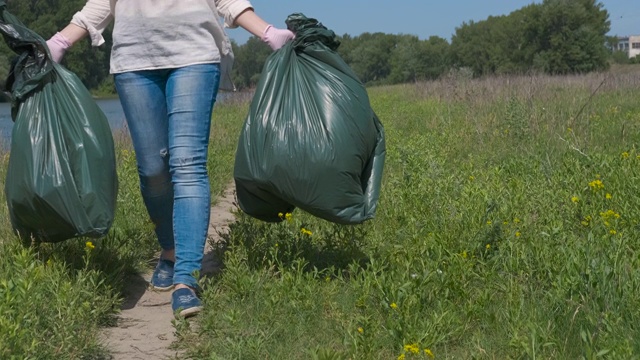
94, 17
230, 9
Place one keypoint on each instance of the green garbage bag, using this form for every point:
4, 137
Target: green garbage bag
311, 139
61, 179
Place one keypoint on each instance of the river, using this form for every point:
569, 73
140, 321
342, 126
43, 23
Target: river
111, 108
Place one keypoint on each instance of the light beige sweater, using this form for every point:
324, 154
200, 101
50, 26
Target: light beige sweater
161, 34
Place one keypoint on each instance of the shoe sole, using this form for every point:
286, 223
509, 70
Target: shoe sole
160, 288
190, 311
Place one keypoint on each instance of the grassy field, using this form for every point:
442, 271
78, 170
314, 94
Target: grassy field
507, 228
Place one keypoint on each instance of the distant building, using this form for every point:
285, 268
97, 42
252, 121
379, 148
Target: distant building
628, 44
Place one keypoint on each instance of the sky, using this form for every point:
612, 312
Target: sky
423, 18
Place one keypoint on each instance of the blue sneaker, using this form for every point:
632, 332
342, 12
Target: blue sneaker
162, 278
185, 303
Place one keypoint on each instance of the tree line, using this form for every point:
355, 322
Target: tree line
553, 37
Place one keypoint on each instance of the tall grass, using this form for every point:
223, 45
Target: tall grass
507, 228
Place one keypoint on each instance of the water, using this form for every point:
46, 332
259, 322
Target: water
111, 108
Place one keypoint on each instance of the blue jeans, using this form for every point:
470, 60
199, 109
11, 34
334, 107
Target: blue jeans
168, 113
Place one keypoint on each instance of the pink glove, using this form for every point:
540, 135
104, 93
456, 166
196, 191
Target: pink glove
58, 45
276, 38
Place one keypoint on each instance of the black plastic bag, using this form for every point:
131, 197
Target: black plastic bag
311, 139
61, 179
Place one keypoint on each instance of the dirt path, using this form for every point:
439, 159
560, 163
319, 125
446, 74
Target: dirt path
144, 328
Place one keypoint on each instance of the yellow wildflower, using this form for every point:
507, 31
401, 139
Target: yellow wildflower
596, 185
401, 357
516, 220
609, 214
575, 199
429, 353
471, 177
280, 215
608, 196
306, 232
488, 222
288, 216
464, 254
89, 245
360, 330
625, 155
612, 232
393, 305
488, 246
518, 234
412, 348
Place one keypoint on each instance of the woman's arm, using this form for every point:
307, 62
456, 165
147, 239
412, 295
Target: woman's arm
251, 22
73, 33
240, 13
94, 17
91, 20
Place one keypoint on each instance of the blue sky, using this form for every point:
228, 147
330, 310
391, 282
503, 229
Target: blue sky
423, 18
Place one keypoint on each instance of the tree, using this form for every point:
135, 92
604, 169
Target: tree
406, 60
248, 63
620, 57
472, 46
572, 36
45, 17
370, 55
413, 59
557, 36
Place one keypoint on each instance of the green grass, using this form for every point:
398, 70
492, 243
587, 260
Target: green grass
493, 239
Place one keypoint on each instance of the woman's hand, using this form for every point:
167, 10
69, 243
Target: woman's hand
64, 39
58, 45
276, 38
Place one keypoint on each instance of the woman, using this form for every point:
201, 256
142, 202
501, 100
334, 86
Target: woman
168, 60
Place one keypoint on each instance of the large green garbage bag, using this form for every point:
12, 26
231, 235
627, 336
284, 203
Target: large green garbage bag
311, 139
61, 179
